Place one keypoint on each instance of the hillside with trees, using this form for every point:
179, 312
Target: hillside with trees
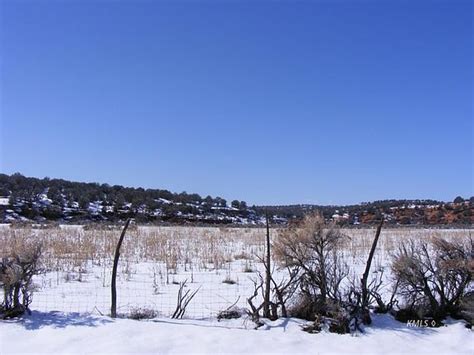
57, 200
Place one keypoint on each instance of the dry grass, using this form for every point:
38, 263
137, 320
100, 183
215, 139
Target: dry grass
155, 259
71, 248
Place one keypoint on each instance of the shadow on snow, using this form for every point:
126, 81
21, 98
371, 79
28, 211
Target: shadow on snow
37, 320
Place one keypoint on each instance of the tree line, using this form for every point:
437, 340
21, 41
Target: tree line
59, 199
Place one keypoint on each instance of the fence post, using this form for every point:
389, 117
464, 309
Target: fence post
266, 301
113, 308
365, 276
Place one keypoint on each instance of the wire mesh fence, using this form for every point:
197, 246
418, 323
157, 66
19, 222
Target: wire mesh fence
144, 285
220, 263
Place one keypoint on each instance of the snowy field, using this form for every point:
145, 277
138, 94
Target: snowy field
73, 295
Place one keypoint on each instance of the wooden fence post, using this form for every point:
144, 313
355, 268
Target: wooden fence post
365, 276
266, 301
113, 308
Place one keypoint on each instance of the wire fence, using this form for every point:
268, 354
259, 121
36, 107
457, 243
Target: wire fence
220, 263
145, 286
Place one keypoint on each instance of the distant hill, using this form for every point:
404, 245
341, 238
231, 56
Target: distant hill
42, 200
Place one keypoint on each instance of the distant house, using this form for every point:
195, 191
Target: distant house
338, 217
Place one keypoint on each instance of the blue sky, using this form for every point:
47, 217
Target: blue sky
272, 102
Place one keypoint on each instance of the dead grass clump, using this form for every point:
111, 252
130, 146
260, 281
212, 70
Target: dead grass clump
233, 313
229, 281
142, 313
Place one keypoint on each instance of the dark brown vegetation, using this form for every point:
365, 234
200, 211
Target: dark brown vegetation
16, 279
430, 279
433, 277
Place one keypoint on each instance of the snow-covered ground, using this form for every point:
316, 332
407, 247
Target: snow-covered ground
74, 293
56, 332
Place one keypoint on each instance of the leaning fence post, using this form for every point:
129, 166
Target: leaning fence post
113, 308
365, 276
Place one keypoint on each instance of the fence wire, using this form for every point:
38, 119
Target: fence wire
144, 286
221, 263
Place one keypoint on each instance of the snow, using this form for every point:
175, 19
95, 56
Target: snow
4, 201
56, 332
95, 207
74, 293
144, 285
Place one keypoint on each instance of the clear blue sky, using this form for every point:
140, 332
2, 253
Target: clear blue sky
272, 102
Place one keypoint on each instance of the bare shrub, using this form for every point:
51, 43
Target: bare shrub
183, 300
374, 288
313, 249
275, 295
142, 313
232, 312
16, 279
302, 306
466, 309
280, 294
316, 249
433, 276
254, 311
362, 295
229, 314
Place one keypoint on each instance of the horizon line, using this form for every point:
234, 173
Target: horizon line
256, 205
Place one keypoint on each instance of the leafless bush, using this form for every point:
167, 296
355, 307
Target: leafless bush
466, 308
375, 295
433, 276
183, 300
313, 249
142, 313
232, 312
229, 314
16, 274
361, 296
302, 306
359, 309
339, 322
280, 294
275, 295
